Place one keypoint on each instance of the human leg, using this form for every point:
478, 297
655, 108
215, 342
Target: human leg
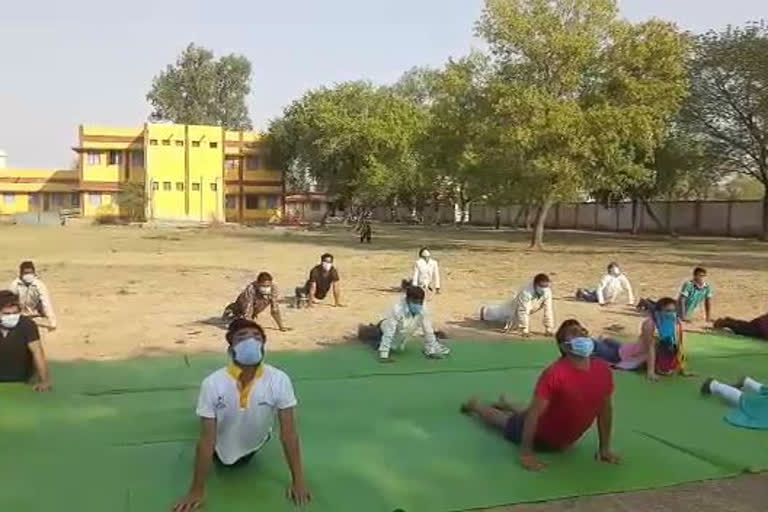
486, 413
586, 295
749, 384
494, 313
740, 327
728, 394
370, 334
608, 350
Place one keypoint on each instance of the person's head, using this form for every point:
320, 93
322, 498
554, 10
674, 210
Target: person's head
700, 276
10, 311
27, 271
326, 260
246, 341
614, 269
425, 253
414, 299
541, 283
570, 329
264, 283
573, 340
666, 305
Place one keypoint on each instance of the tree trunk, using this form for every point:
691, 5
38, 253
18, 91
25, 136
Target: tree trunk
764, 236
537, 240
635, 217
516, 222
663, 228
498, 218
528, 219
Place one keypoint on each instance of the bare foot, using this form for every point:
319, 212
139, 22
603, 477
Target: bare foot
469, 406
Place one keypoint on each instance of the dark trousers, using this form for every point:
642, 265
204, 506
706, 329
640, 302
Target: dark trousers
741, 327
586, 295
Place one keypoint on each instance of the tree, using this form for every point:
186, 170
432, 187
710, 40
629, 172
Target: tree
728, 103
580, 97
199, 89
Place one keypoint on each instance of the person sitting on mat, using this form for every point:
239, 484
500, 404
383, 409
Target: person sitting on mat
237, 408
569, 395
756, 328
749, 399
693, 293
322, 278
610, 288
408, 316
34, 299
426, 272
22, 358
256, 297
517, 311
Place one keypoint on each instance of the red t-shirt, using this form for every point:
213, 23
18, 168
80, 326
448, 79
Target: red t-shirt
575, 398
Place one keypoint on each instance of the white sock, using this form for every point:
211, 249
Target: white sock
752, 385
728, 393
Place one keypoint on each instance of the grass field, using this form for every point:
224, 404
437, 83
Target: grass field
127, 292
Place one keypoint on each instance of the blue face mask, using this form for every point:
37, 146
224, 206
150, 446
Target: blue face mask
666, 325
541, 290
248, 352
415, 309
582, 346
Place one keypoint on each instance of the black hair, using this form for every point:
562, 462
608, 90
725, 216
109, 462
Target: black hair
26, 265
325, 256
665, 302
263, 276
238, 324
612, 264
421, 251
570, 328
540, 278
699, 270
8, 298
415, 294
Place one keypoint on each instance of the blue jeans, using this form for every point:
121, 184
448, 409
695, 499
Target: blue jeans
586, 295
607, 350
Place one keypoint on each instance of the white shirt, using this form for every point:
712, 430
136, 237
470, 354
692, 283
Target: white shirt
400, 325
611, 287
426, 273
243, 430
527, 302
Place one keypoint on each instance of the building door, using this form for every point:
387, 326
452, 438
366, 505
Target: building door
46, 202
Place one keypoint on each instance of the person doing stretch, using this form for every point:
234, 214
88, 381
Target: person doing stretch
755, 328
517, 311
748, 399
610, 288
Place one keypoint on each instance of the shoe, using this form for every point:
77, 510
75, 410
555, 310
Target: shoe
705, 387
438, 351
385, 358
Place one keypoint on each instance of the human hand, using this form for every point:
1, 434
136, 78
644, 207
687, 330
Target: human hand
652, 377
530, 462
190, 502
607, 456
299, 494
42, 386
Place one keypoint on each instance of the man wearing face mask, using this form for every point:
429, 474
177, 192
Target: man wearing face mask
569, 396
257, 296
34, 299
426, 272
21, 352
611, 286
516, 312
322, 279
237, 408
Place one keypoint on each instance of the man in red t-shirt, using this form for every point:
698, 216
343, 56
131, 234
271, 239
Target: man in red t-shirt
569, 395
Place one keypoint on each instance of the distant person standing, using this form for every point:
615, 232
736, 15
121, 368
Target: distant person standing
366, 232
516, 312
426, 272
322, 279
257, 296
34, 299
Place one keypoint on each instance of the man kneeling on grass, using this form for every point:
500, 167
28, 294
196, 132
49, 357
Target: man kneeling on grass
570, 394
237, 407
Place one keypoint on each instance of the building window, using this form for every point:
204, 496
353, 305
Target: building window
195, 187
75, 200
231, 163
195, 143
94, 199
9, 198
153, 142
137, 158
94, 158
179, 186
214, 188
167, 142
166, 186
179, 143
252, 202
155, 185
253, 162
272, 202
113, 157
231, 202
214, 145
316, 206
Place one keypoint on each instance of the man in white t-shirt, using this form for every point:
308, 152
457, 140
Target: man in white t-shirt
612, 285
237, 408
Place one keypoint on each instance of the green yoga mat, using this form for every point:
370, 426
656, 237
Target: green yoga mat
120, 435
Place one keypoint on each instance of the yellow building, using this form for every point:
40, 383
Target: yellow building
183, 172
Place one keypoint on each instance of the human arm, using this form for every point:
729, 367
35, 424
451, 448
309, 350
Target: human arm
600, 287
549, 315
337, 294
203, 456
437, 276
429, 331
520, 305
646, 337
415, 280
41, 366
47, 304
289, 437
708, 308
628, 286
604, 432
275, 309
527, 458
312, 291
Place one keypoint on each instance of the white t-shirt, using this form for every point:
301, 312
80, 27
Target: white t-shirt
243, 430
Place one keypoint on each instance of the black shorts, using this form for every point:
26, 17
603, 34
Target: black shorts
513, 431
242, 461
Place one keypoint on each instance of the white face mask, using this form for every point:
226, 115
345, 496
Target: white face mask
615, 271
426, 255
265, 290
28, 278
327, 265
9, 320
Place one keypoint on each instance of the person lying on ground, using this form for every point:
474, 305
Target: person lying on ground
516, 312
237, 408
426, 272
34, 299
756, 328
256, 297
22, 358
693, 293
748, 397
569, 395
322, 279
610, 288
407, 317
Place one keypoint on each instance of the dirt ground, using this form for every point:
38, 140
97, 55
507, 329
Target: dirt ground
126, 291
